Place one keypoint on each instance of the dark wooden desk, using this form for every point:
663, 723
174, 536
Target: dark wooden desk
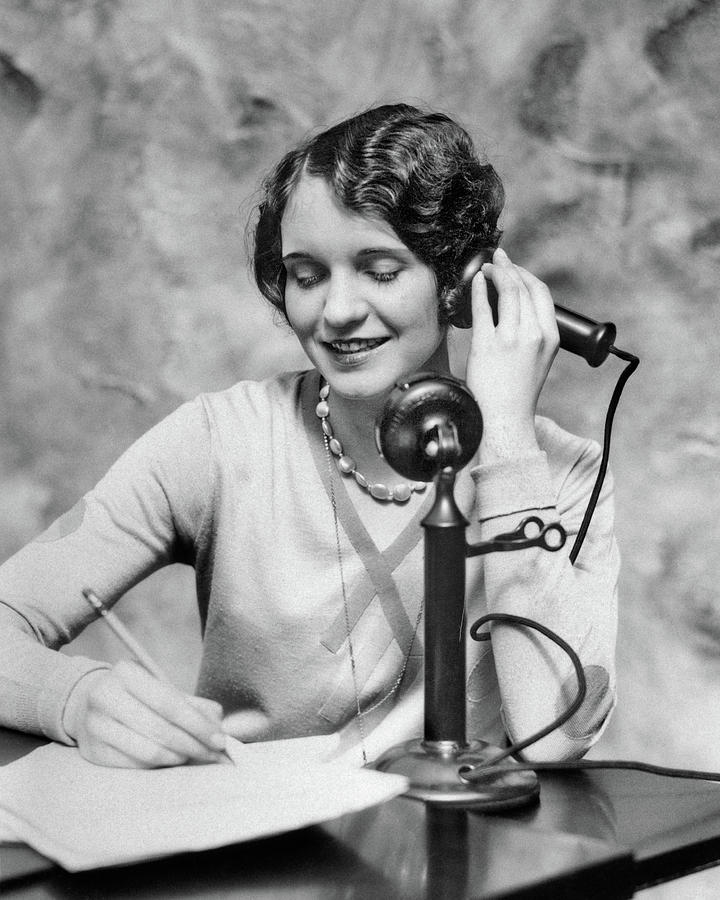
601, 834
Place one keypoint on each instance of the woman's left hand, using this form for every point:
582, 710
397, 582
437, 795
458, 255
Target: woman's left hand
508, 363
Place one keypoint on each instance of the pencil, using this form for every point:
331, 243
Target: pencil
137, 650
121, 632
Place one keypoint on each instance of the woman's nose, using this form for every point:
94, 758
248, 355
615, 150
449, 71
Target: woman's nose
344, 302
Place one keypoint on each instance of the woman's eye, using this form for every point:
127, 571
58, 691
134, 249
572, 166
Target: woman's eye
306, 280
384, 276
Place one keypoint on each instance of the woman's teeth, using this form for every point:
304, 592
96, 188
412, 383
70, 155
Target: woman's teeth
356, 346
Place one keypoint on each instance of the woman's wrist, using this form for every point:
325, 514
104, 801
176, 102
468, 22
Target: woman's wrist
505, 439
513, 485
76, 704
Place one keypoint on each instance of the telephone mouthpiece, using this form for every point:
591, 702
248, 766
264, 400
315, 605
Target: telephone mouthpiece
429, 423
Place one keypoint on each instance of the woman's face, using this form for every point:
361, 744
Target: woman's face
364, 308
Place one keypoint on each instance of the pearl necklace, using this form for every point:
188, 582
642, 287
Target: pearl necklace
360, 713
400, 493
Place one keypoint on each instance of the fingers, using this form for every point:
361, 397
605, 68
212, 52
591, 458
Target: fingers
172, 705
481, 311
172, 730
508, 364
525, 304
132, 719
211, 707
246, 724
512, 292
542, 302
115, 744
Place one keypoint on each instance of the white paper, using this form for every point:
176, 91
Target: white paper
84, 816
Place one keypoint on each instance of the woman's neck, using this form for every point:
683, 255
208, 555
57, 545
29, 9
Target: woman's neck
353, 424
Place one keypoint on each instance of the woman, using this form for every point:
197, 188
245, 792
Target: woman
306, 545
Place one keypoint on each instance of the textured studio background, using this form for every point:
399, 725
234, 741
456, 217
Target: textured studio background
134, 136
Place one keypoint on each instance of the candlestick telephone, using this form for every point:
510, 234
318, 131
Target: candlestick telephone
439, 412
430, 428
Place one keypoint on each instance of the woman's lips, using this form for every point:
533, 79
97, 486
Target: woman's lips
354, 352
357, 345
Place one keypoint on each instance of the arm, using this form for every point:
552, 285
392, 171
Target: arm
143, 514
537, 680
507, 367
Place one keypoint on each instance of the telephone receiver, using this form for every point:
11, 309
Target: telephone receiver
578, 334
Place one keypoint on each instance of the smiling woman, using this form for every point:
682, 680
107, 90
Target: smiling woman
361, 303
306, 547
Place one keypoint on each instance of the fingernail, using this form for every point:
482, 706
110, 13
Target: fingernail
501, 253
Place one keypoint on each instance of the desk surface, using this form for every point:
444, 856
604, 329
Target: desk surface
593, 834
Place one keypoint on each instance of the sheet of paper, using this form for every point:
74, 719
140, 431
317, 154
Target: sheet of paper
85, 816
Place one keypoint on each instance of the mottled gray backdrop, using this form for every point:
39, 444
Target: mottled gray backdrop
134, 136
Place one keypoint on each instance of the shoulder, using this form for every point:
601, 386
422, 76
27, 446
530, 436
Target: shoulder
213, 434
259, 400
249, 419
564, 449
574, 463
185, 438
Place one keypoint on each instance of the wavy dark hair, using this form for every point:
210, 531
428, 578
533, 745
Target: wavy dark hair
417, 171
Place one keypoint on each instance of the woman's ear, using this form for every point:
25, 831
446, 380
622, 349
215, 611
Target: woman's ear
457, 301
456, 307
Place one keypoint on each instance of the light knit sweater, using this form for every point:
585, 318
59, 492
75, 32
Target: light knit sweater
236, 484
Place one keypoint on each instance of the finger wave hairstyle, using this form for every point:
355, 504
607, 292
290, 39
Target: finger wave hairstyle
417, 171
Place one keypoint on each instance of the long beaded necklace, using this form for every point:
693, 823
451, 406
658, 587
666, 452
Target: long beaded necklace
400, 493
323, 412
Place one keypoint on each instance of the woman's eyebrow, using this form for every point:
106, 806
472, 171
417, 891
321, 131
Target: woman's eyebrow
384, 251
296, 255
361, 254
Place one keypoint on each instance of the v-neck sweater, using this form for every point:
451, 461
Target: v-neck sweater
236, 484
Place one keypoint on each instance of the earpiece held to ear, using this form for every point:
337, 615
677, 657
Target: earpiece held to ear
578, 334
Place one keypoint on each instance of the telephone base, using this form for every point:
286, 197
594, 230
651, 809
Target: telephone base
432, 769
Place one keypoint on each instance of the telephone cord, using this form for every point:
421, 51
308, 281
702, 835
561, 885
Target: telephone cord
467, 772
480, 770
633, 363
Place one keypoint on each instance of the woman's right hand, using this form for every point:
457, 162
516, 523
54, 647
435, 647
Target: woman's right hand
126, 717
508, 363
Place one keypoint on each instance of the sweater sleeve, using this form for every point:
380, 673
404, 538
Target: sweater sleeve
145, 513
579, 602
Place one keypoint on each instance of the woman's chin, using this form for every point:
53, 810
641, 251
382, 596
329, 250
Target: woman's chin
359, 385
367, 394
